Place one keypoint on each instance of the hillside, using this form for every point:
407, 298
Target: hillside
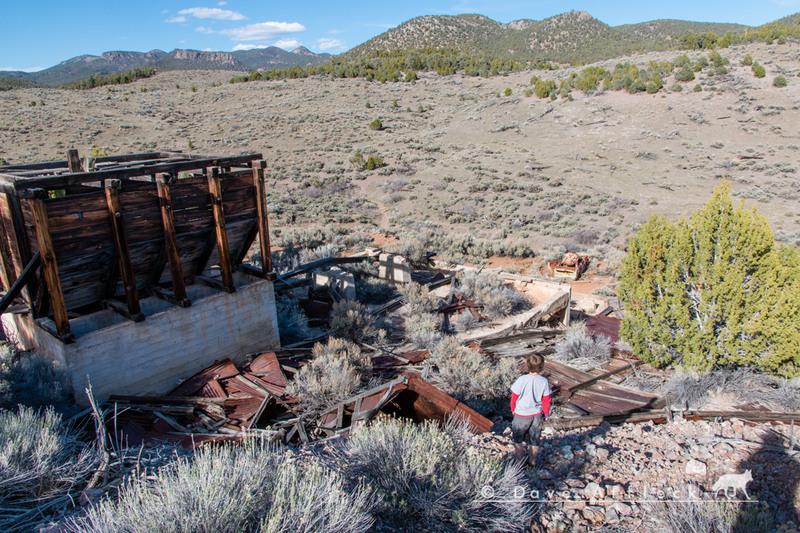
78, 68
573, 37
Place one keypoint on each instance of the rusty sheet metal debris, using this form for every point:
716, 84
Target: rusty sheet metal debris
604, 325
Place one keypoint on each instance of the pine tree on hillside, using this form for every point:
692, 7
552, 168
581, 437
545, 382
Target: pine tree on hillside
714, 290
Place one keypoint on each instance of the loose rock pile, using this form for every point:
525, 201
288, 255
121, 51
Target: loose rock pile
624, 478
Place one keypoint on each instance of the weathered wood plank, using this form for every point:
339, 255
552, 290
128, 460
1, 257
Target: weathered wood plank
50, 266
19, 283
215, 191
173, 255
74, 161
123, 252
263, 222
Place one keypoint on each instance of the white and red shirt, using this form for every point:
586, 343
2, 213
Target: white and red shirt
530, 396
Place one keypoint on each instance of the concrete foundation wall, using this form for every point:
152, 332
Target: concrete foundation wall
150, 357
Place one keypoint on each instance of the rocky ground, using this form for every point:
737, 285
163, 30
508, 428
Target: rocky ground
630, 477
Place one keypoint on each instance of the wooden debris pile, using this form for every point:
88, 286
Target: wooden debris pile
226, 402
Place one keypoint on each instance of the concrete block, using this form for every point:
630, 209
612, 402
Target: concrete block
394, 268
134, 358
343, 282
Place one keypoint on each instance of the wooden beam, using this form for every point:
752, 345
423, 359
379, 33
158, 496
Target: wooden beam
213, 283
16, 288
123, 252
263, 221
168, 296
171, 239
8, 273
123, 310
62, 181
74, 161
205, 254
48, 257
18, 243
215, 191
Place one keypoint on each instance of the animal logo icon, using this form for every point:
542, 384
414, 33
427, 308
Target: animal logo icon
736, 482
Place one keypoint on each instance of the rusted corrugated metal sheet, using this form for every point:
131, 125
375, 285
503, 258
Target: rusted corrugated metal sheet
604, 325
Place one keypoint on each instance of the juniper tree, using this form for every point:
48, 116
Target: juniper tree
713, 290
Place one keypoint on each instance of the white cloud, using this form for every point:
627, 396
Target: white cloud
212, 13
242, 46
263, 31
179, 18
288, 44
203, 29
165, 11
25, 69
335, 32
329, 44
222, 4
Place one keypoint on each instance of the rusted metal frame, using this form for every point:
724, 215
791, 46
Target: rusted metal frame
171, 241
20, 282
123, 251
215, 192
50, 265
263, 221
23, 186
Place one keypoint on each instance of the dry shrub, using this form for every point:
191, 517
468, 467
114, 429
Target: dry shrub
351, 320
471, 376
334, 374
27, 379
42, 466
423, 330
582, 351
703, 516
746, 385
371, 290
497, 298
427, 480
418, 299
247, 487
292, 320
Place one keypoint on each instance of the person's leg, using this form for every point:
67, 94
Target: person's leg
533, 437
520, 427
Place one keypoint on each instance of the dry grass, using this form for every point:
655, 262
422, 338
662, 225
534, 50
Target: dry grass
426, 479
581, 350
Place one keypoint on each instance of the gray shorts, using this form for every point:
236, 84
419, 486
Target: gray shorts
527, 429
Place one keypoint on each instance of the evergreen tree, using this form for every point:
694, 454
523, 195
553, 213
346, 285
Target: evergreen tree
713, 290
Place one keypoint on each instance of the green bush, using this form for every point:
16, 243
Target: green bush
507, 92
759, 71
676, 88
684, 74
376, 125
747, 60
698, 88
362, 163
712, 291
780, 81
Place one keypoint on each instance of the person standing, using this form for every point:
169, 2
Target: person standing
530, 405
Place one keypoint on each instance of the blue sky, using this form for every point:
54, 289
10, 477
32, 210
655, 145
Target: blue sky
40, 34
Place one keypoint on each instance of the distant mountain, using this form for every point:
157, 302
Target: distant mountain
274, 57
81, 67
574, 37
670, 30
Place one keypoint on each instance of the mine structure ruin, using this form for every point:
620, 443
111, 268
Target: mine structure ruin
131, 269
